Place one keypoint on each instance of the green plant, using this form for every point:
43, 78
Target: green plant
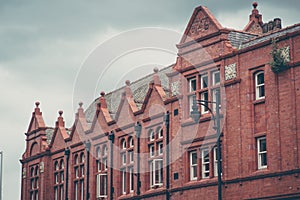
280, 60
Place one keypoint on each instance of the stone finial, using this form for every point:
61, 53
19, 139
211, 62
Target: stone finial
60, 121
156, 79
255, 4
127, 82
37, 110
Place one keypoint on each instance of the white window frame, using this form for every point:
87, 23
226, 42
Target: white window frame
151, 135
203, 108
98, 153
160, 133
193, 166
61, 188
123, 144
56, 193
123, 181
76, 190
214, 98
216, 162
202, 81
99, 185
131, 142
81, 189
160, 148
261, 153
204, 153
259, 86
105, 164
191, 99
192, 81
151, 150
156, 165
131, 180
123, 157
131, 156
105, 150
214, 82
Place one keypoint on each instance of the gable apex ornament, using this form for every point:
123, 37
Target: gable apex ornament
200, 25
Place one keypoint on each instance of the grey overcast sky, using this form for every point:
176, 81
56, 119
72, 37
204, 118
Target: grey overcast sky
44, 43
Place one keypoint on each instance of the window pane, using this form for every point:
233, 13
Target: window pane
216, 78
151, 150
204, 97
204, 81
123, 175
131, 179
192, 84
205, 163
260, 78
160, 148
262, 91
263, 145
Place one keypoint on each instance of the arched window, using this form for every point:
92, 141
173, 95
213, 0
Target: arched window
76, 159
104, 150
62, 164
159, 131
82, 157
123, 144
32, 171
131, 142
151, 135
98, 154
56, 167
259, 85
37, 170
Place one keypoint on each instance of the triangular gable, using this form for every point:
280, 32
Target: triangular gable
101, 119
202, 23
125, 113
154, 91
37, 120
58, 139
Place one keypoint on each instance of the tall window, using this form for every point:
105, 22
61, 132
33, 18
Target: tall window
155, 147
101, 172
216, 161
78, 178
209, 163
205, 163
193, 165
262, 153
127, 165
192, 84
34, 182
260, 85
192, 87
207, 88
59, 179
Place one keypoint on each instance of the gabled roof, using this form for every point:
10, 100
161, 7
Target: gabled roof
139, 90
201, 24
37, 120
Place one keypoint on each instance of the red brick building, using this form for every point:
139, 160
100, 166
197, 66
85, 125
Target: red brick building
147, 145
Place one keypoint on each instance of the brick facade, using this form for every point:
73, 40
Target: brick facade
259, 125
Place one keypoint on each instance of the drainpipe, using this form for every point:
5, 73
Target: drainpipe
167, 124
111, 138
67, 154
138, 130
88, 147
